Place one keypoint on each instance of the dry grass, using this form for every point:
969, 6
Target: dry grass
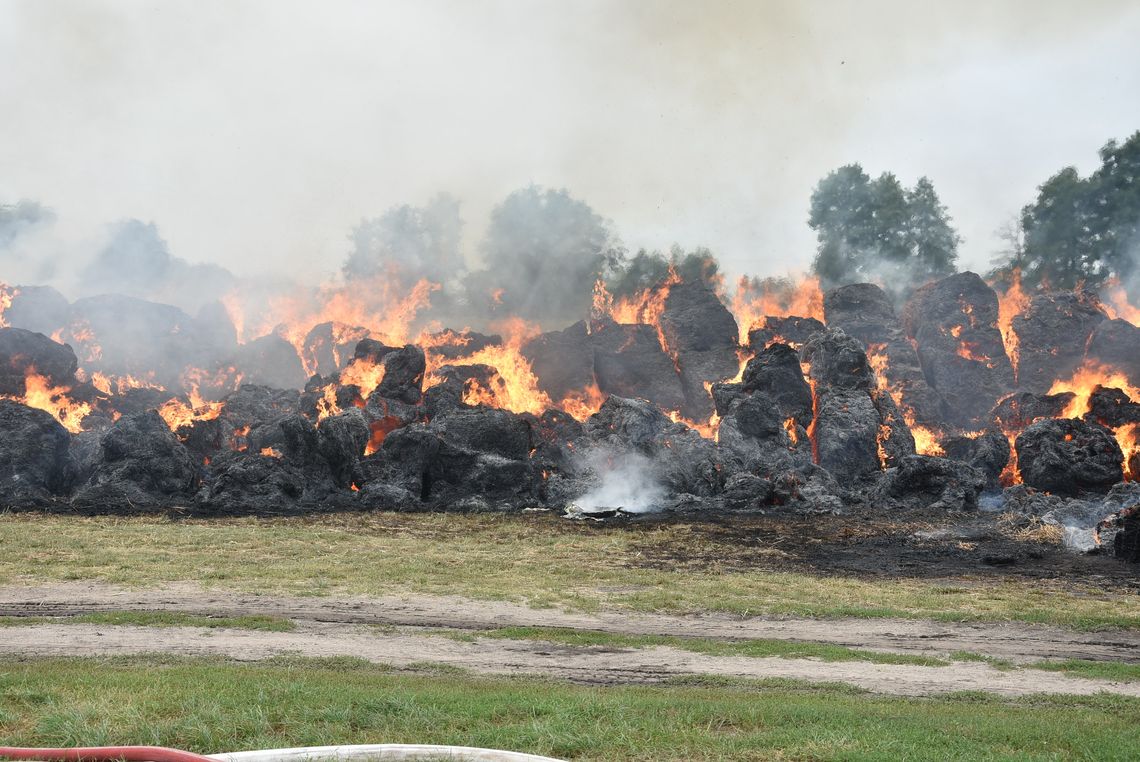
540, 561
1029, 529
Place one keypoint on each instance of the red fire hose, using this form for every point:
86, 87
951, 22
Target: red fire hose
103, 754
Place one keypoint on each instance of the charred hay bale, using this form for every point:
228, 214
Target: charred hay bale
270, 361
846, 433
747, 491
1052, 333
776, 372
724, 394
254, 404
141, 466
249, 483
683, 461
953, 323
922, 482
1069, 456
341, 440
702, 335
403, 375
1112, 407
629, 362
328, 347
837, 361
695, 320
627, 423
479, 453
793, 331
988, 453
21, 351
1116, 344
41, 309
1124, 528
35, 465
1020, 409
371, 350
862, 310
563, 361
754, 437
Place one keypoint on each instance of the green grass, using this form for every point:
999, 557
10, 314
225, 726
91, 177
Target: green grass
160, 619
1104, 670
758, 648
209, 705
540, 561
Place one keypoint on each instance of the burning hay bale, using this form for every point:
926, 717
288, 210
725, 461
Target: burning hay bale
701, 334
269, 361
988, 453
1112, 408
1052, 334
1069, 456
864, 311
629, 361
1116, 344
24, 354
857, 430
953, 323
563, 361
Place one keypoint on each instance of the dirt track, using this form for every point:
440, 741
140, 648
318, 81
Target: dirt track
339, 627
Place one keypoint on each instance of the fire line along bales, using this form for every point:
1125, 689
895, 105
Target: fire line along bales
952, 399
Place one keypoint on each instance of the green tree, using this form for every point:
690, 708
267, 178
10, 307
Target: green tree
877, 230
647, 269
408, 243
1083, 229
932, 241
542, 253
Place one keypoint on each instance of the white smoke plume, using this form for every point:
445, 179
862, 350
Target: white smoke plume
626, 480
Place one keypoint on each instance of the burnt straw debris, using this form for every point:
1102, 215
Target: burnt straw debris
940, 401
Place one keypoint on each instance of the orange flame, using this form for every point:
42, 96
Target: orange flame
1085, 380
1011, 304
751, 305
39, 393
1116, 303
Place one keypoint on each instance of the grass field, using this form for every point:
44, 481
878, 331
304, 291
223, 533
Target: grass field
540, 561
212, 705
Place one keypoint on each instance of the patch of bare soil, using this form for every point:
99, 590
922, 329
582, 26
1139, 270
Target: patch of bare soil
586, 664
334, 627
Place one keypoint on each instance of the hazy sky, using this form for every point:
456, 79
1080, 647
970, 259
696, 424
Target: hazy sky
256, 134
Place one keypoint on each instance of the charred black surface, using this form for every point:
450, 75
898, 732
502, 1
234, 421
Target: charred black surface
1068, 456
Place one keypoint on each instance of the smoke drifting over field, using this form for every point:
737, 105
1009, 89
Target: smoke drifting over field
256, 135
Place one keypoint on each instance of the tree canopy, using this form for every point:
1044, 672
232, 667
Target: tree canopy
542, 253
408, 243
1082, 229
875, 229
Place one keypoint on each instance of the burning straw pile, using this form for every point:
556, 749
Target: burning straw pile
802, 401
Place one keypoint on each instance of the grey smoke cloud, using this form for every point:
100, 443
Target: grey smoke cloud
258, 134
